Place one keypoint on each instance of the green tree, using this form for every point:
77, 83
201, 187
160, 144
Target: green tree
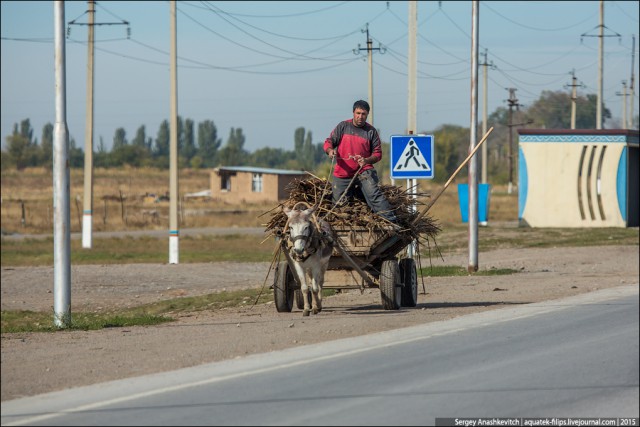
141, 139
76, 155
132, 155
188, 146
553, 111
298, 142
208, 143
46, 147
269, 157
102, 158
451, 146
161, 152
21, 148
119, 139
233, 153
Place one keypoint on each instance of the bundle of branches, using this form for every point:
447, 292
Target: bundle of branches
354, 213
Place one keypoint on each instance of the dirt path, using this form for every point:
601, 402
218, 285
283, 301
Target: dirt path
34, 363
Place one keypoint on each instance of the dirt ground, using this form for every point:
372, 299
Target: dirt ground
34, 363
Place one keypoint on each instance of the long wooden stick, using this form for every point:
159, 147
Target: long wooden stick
439, 193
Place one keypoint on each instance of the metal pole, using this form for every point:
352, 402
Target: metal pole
87, 217
600, 68
61, 199
174, 231
370, 59
632, 87
484, 117
412, 96
473, 164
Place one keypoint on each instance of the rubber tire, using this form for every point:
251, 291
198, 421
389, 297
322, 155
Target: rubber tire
409, 276
283, 288
390, 287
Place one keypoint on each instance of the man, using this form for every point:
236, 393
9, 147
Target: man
356, 146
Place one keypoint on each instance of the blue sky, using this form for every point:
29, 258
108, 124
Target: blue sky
271, 67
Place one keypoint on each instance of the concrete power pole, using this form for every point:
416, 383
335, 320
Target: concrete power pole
600, 68
574, 97
369, 50
624, 104
513, 102
87, 217
601, 36
485, 97
174, 228
61, 202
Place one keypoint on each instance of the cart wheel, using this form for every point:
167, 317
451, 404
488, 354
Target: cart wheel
390, 286
409, 277
283, 288
300, 299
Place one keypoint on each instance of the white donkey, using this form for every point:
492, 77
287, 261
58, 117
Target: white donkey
311, 244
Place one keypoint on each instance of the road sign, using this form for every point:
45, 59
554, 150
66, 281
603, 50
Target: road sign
412, 156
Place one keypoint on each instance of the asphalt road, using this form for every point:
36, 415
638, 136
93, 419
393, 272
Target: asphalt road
575, 357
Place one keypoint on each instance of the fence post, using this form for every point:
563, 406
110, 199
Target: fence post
122, 214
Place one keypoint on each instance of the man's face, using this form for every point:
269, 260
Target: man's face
359, 117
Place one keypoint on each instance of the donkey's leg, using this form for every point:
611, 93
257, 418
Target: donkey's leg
304, 288
318, 280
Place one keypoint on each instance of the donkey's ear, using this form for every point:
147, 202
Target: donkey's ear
310, 210
286, 209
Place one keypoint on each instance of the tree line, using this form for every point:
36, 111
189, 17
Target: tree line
199, 146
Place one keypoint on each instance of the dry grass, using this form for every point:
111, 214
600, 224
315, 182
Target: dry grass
32, 189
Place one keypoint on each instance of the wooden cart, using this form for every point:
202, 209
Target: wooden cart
373, 256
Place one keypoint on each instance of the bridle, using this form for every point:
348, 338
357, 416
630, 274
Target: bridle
312, 236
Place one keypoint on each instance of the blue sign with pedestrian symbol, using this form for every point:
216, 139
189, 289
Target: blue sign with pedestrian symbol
412, 156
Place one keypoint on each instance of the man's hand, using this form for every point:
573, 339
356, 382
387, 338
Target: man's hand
361, 160
331, 153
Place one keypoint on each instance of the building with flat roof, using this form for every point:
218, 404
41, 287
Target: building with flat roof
246, 184
578, 178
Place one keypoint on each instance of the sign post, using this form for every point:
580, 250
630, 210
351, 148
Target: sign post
412, 158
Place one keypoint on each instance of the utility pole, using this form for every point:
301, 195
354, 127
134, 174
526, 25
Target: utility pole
484, 64
600, 68
624, 104
174, 228
61, 203
412, 97
633, 77
472, 266
513, 102
369, 50
574, 97
601, 35
87, 217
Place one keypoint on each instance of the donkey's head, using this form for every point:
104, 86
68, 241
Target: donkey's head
299, 226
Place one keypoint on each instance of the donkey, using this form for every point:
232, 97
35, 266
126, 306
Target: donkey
310, 246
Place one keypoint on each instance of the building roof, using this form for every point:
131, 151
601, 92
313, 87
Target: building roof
252, 169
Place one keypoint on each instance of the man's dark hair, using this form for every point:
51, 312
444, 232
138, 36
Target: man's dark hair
361, 104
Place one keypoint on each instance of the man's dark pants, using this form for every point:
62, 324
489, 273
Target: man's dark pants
369, 186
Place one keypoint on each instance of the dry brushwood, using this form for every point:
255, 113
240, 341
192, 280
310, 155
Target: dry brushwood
354, 214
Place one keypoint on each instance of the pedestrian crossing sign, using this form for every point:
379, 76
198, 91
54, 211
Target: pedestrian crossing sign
412, 156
